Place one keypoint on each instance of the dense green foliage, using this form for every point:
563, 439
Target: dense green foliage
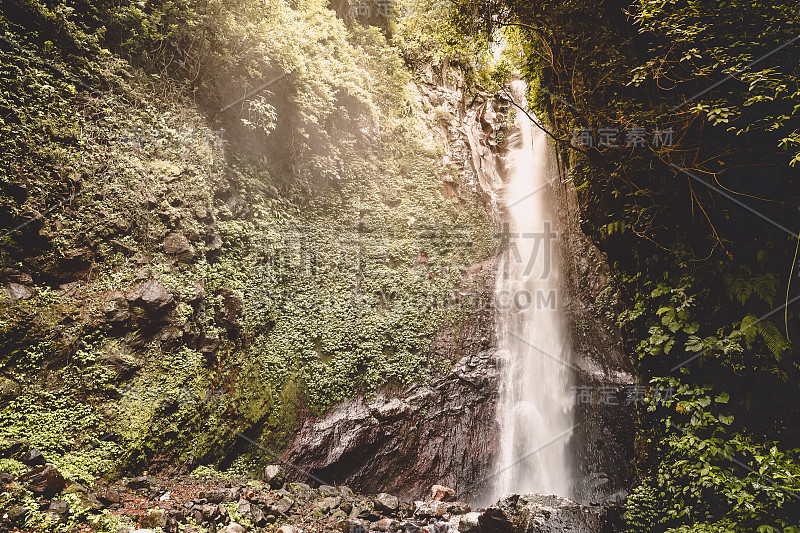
324, 251
313, 210
702, 231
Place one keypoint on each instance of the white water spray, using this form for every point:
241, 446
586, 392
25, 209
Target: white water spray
534, 410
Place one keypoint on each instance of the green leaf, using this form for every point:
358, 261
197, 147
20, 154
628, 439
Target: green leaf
691, 328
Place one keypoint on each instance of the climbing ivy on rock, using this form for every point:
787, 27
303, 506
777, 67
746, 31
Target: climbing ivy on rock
295, 246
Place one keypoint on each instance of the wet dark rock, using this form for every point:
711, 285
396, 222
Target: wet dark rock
152, 296
494, 520
33, 457
274, 475
18, 191
73, 265
448, 435
395, 408
178, 246
45, 481
31, 222
232, 309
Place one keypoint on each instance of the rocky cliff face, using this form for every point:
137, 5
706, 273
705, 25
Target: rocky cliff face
446, 431
604, 381
443, 431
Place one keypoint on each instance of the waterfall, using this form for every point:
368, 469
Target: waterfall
534, 410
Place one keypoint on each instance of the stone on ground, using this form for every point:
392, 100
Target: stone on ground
386, 503
538, 513
274, 475
440, 493
45, 481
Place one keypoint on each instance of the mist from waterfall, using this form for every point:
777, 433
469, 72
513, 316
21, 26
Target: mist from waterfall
534, 409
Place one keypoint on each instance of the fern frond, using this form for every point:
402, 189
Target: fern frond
739, 288
766, 288
775, 341
750, 332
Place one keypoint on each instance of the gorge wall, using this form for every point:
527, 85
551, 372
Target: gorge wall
188, 275
447, 432
191, 281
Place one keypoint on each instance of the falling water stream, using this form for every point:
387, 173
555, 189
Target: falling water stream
534, 410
